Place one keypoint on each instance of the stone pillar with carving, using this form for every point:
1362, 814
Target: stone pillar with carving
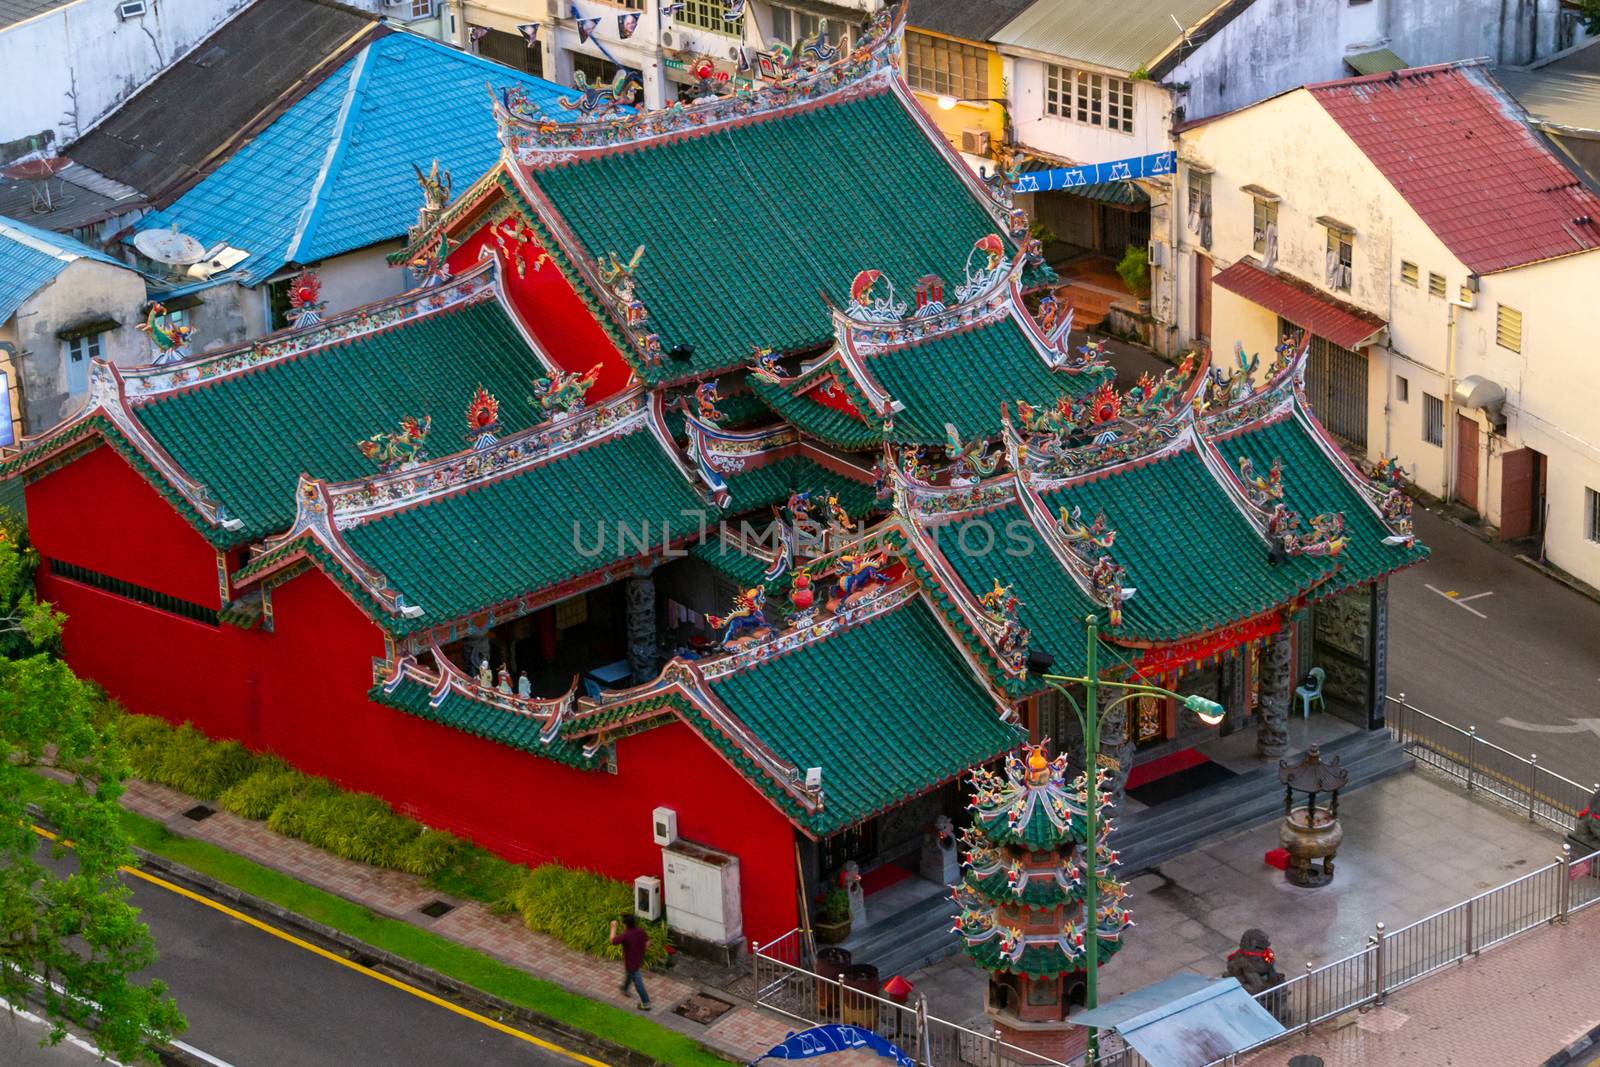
1116, 740
643, 645
1272, 733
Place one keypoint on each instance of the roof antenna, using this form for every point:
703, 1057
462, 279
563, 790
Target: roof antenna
1183, 32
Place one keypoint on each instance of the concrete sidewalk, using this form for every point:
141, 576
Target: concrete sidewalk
1413, 845
1519, 1003
741, 1034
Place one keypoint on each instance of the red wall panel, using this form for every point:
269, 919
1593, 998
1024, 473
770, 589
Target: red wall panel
301, 690
100, 513
553, 312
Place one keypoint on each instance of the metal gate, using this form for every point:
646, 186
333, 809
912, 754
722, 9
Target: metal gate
1336, 386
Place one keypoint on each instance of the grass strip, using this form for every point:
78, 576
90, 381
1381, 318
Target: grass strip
465, 965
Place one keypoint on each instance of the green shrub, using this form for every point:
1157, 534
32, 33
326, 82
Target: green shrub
201, 767
1135, 270
144, 740
577, 909
357, 826
478, 874
259, 795
427, 853
835, 907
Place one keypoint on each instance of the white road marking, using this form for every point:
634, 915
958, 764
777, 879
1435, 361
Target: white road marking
1577, 726
197, 1054
1474, 596
71, 1038
1458, 601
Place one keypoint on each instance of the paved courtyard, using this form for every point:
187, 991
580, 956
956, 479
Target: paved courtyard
1413, 845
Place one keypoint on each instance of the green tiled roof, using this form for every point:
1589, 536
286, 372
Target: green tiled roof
761, 487
1312, 485
1052, 605
746, 224
1196, 562
249, 436
481, 720
745, 570
527, 531
961, 378
826, 424
886, 708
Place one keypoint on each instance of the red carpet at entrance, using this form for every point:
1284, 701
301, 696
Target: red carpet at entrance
1171, 763
882, 878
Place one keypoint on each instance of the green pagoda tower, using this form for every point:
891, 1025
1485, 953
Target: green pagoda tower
1021, 898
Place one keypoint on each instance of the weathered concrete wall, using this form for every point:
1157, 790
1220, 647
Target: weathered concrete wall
80, 60
86, 290
1275, 45
360, 277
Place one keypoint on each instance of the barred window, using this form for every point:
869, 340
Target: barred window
707, 15
1264, 217
946, 68
791, 26
1090, 98
1591, 514
1200, 205
1341, 258
129, 591
1432, 419
1508, 328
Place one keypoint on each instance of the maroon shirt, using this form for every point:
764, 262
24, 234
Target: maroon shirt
633, 941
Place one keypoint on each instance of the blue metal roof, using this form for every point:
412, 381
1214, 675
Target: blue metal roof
333, 173
1187, 1020
30, 259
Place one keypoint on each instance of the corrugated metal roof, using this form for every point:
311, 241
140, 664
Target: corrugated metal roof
30, 258
1178, 1024
1559, 97
1377, 61
1457, 147
1324, 316
333, 173
1106, 33
973, 20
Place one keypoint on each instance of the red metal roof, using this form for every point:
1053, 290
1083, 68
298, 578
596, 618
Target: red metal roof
1457, 148
1324, 316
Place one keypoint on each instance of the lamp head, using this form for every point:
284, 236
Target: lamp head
1209, 711
947, 103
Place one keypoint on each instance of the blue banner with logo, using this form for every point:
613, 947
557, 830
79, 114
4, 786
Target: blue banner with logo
825, 1040
1118, 170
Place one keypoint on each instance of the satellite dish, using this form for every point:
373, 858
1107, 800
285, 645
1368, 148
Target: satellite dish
169, 246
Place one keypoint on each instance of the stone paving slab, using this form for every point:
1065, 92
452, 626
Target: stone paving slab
1518, 1003
1413, 845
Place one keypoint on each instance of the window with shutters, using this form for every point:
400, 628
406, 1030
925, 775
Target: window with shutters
1436, 285
791, 26
1090, 98
708, 15
1264, 218
1432, 419
1508, 328
1200, 205
946, 68
79, 352
1408, 273
1591, 514
1341, 258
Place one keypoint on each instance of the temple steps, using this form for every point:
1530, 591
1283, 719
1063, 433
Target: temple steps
917, 933
1147, 838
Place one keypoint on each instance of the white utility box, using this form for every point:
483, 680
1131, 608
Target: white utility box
664, 826
647, 897
701, 890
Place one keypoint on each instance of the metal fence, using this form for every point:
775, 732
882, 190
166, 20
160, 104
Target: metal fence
1391, 959
1484, 766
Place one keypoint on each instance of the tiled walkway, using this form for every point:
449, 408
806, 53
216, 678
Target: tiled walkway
742, 1034
1519, 1003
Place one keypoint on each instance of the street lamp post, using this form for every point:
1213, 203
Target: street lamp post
1089, 717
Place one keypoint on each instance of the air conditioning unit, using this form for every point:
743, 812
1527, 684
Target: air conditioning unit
664, 826
975, 142
553, 8
647, 898
667, 38
131, 9
1158, 254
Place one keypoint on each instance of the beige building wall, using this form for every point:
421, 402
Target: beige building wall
1291, 147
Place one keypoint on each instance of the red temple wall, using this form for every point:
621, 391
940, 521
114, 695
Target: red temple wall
300, 691
554, 313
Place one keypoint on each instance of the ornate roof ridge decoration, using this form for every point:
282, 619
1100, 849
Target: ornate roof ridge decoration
447, 678
1383, 489
1107, 429
1051, 332
1231, 402
694, 470
471, 287
356, 501
844, 362
715, 451
535, 139
106, 411
871, 322
918, 497
1083, 549
1259, 498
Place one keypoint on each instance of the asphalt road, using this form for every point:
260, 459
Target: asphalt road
256, 1000
1480, 639
19, 1044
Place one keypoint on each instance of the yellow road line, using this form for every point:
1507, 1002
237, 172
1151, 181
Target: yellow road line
406, 987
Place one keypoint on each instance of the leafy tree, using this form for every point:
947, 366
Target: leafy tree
69, 938
1589, 15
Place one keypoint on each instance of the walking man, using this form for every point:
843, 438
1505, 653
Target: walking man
633, 941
